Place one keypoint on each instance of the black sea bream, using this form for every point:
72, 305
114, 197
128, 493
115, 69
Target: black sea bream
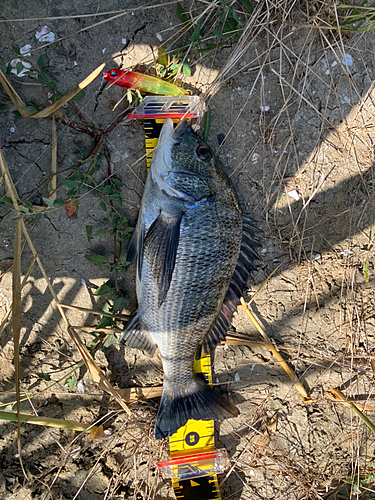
194, 250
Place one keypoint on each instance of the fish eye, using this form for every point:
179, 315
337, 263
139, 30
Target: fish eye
113, 73
203, 153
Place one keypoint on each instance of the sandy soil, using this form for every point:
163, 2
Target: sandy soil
297, 111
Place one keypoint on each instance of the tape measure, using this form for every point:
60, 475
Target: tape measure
194, 462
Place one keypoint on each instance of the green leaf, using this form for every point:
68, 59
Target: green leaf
111, 339
117, 182
20, 67
104, 322
17, 116
96, 259
51, 85
89, 232
196, 35
181, 14
1, 230
119, 304
107, 189
246, 5
103, 206
59, 202
69, 183
43, 376
186, 69
31, 109
48, 202
6, 199
24, 209
41, 62
16, 49
104, 290
78, 96
72, 382
101, 232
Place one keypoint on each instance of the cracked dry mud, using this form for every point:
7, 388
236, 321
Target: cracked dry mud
303, 168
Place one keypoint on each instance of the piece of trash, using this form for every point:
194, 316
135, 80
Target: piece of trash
327, 72
45, 35
347, 99
254, 158
81, 389
264, 108
15, 67
346, 252
123, 40
348, 60
12, 130
75, 63
159, 37
264, 250
334, 64
237, 377
315, 256
294, 194
71, 207
105, 48
25, 50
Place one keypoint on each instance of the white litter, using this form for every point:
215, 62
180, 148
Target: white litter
264, 108
123, 40
237, 377
25, 50
75, 63
334, 64
294, 194
105, 48
316, 256
81, 389
159, 37
254, 158
26, 67
45, 35
348, 60
12, 130
264, 250
346, 99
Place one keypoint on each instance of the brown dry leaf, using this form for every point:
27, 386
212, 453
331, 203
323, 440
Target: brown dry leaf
136, 393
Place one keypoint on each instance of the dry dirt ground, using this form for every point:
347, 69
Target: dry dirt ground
296, 106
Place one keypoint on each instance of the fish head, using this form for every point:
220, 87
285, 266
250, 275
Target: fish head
182, 159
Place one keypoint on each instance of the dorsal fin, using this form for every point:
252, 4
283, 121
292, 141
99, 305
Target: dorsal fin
236, 288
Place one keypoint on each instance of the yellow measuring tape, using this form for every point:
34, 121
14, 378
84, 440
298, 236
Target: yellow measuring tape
192, 447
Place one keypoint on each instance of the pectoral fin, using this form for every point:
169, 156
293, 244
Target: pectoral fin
135, 248
160, 250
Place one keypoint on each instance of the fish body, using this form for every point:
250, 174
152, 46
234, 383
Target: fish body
143, 83
187, 245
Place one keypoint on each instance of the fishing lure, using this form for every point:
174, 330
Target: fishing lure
143, 83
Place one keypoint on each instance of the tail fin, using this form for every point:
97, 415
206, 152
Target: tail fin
196, 400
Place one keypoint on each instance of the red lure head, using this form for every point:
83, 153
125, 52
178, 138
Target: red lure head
114, 76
